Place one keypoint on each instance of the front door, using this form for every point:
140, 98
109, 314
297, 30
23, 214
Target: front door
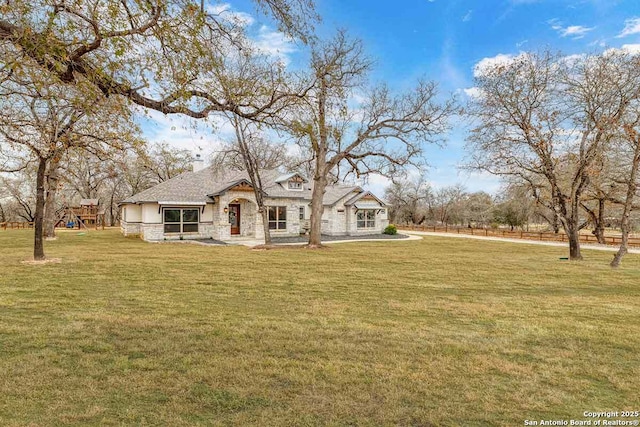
234, 219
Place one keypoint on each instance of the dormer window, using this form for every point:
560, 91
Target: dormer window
295, 185
292, 181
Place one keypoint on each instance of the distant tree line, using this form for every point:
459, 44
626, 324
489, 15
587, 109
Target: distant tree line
86, 176
416, 202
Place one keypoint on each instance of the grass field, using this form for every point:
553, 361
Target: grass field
434, 332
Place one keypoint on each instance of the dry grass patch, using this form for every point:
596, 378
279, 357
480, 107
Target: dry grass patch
41, 261
433, 332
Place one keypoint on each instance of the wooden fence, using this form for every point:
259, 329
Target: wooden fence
526, 235
15, 224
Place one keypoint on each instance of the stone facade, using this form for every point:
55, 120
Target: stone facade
146, 219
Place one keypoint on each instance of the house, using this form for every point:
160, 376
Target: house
210, 203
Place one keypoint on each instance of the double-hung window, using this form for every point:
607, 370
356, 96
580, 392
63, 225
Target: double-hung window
277, 217
366, 218
181, 220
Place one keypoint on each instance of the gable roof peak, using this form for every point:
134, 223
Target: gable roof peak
288, 176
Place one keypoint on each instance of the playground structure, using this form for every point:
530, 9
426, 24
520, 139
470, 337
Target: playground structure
89, 213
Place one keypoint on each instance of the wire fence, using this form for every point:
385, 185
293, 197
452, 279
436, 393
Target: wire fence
11, 225
525, 235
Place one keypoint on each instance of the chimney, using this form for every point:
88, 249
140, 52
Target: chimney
198, 163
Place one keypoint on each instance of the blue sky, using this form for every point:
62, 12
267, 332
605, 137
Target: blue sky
443, 40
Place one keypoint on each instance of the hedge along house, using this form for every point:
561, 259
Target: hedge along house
221, 205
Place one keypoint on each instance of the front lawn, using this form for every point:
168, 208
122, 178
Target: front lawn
434, 332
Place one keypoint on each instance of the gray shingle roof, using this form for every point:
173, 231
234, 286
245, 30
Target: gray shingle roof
195, 187
288, 176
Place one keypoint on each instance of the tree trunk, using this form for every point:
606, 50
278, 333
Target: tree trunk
571, 222
622, 251
556, 223
264, 212
112, 221
38, 247
574, 247
599, 228
317, 206
573, 234
50, 217
598, 220
628, 206
320, 148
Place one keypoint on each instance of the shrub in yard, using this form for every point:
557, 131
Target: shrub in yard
391, 229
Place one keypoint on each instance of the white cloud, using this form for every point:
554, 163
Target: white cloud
266, 40
486, 64
468, 16
473, 92
574, 31
572, 59
631, 49
631, 26
224, 11
275, 43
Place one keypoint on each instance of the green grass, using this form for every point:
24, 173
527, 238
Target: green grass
435, 332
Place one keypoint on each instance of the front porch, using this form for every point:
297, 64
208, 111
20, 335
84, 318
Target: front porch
238, 219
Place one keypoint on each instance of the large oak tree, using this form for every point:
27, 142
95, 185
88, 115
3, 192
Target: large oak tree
382, 133
547, 119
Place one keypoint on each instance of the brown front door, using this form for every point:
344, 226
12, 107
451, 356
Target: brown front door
234, 219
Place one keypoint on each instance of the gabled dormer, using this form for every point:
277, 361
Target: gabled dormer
292, 181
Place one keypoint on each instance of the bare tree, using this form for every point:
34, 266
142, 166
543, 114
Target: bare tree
164, 162
266, 154
383, 134
42, 123
447, 203
408, 200
546, 119
628, 155
478, 208
254, 153
20, 191
515, 206
633, 139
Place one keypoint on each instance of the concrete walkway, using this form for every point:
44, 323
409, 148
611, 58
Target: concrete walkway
521, 241
253, 242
